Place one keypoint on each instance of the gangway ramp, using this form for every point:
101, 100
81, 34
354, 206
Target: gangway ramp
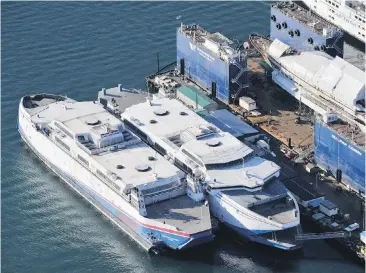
321, 236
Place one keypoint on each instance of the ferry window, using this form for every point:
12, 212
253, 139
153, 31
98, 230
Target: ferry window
136, 130
64, 131
337, 6
83, 160
195, 160
159, 148
108, 181
183, 166
65, 146
356, 17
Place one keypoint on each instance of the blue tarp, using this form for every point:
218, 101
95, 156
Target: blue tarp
228, 122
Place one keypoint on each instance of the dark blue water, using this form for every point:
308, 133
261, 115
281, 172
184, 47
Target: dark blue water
76, 49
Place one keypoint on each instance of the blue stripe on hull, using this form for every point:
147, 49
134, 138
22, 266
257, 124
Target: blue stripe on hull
254, 236
170, 240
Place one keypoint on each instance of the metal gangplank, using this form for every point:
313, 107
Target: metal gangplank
322, 236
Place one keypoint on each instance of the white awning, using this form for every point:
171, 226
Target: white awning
277, 48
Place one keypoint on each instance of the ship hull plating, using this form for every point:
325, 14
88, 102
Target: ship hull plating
80, 179
204, 68
251, 226
333, 152
307, 38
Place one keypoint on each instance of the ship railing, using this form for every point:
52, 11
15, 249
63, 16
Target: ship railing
170, 189
267, 200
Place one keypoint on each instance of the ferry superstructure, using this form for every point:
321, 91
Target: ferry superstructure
347, 15
243, 190
121, 176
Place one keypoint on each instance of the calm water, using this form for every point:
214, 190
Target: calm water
76, 49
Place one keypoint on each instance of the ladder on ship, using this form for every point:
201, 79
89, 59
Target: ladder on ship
322, 236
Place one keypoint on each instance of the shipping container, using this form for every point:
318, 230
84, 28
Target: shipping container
212, 61
336, 153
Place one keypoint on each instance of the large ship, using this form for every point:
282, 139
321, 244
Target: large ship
303, 30
243, 190
347, 15
96, 155
335, 90
316, 79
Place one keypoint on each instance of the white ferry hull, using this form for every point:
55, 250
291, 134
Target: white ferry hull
251, 226
104, 199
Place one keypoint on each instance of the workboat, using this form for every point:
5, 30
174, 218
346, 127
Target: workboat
243, 190
97, 156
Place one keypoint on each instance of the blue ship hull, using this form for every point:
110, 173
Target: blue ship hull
333, 151
204, 68
308, 39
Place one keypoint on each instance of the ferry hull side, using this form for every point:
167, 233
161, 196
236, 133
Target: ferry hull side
248, 224
136, 226
333, 152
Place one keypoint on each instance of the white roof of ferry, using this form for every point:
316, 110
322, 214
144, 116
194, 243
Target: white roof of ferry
337, 78
74, 117
188, 126
251, 174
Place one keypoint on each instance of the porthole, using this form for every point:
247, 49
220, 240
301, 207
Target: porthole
278, 26
310, 40
291, 33
316, 48
323, 48
297, 32
273, 18
284, 25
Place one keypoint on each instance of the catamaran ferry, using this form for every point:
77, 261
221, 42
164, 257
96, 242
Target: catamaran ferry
243, 190
96, 155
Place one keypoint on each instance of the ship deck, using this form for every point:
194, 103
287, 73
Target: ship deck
303, 16
183, 213
268, 202
121, 99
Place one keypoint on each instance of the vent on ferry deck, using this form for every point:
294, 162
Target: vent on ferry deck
142, 168
151, 158
120, 167
161, 112
213, 142
183, 113
92, 122
153, 121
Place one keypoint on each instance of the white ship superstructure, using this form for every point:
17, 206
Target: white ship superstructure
347, 15
130, 183
243, 190
330, 86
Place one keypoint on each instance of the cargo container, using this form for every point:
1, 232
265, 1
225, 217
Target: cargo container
303, 30
214, 62
337, 153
